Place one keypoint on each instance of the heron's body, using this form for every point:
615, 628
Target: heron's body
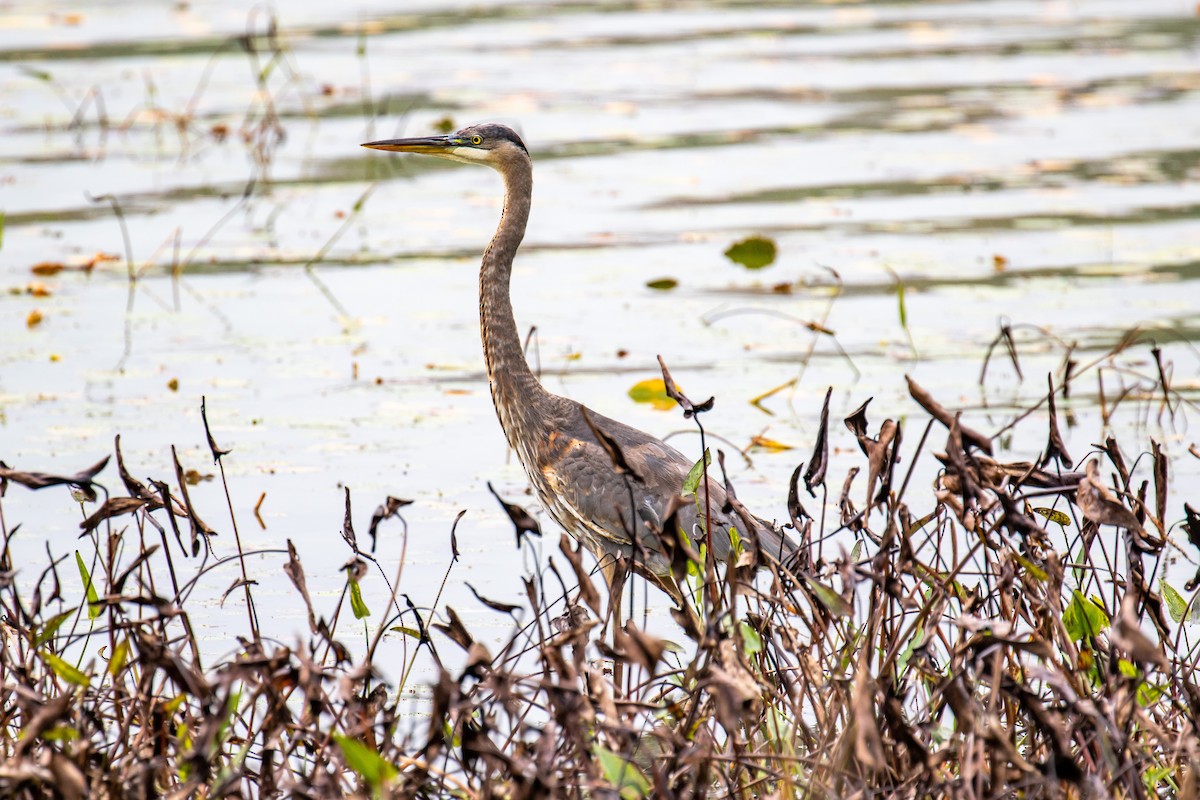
573, 474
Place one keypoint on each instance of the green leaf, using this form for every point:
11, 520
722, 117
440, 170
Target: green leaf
1084, 618
370, 766
61, 733
622, 773
36, 74
356, 601
51, 627
856, 552
692, 481
662, 284
833, 602
1177, 606
64, 670
751, 641
93, 599
753, 253
652, 391
1033, 570
907, 653
1149, 693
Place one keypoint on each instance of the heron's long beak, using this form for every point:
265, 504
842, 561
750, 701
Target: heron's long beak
432, 145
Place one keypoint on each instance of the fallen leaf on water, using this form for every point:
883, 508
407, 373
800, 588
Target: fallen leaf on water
173, 384
999, 262
769, 444
755, 252
37, 290
652, 391
193, 477
99, 258
47, 268
662, 284
34, 319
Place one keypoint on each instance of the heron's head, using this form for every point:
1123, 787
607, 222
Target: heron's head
490, 143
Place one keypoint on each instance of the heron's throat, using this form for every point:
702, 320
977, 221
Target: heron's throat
514, 387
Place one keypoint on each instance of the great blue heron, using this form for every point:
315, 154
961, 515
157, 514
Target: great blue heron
571, 470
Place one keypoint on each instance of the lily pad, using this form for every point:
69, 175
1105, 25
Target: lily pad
753, 253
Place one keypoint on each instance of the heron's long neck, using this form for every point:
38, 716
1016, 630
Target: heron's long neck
514, 387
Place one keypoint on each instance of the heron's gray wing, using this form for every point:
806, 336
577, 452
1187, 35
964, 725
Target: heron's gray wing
662, 470
588, 496
590, 499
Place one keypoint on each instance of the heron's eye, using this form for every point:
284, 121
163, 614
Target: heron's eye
477, 139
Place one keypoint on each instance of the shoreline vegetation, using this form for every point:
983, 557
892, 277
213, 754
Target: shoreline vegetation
1008, 631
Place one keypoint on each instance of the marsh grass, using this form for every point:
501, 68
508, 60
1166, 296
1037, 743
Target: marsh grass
1008, 631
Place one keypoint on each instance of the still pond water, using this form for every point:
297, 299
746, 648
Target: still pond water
1032, 163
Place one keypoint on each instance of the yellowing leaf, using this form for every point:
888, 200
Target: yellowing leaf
89, 588
34, 319
1054, 516
64, 670
769, 444
119, 657
356, 601
652, 391
753, 253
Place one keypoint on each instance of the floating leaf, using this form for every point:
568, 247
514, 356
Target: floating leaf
769, 444
662, 284
652, 391
356, 601
34, 319
622, 773
370, 766
47, 268
753, 253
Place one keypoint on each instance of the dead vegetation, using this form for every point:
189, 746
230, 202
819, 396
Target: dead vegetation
1010, 632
